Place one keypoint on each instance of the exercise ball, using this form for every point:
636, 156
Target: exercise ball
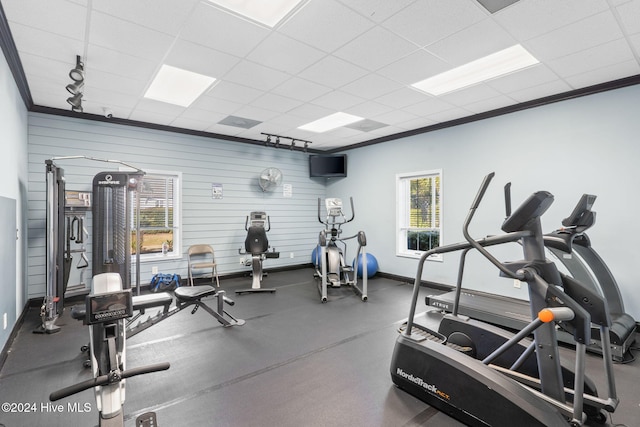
315, 256
372, 265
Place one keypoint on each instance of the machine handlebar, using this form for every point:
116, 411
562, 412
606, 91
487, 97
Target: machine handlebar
106, 379
353, 213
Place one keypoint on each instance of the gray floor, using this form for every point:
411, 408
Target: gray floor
296, 362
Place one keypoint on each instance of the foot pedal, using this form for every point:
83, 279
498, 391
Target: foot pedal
148, 419
462, 343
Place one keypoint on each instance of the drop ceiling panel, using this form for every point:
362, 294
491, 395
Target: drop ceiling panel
300, 89
378, 10
628, 14
480, 39
127, 37
200, 59
358, 56
285, 54
333, 72
427, 21
167, 16
222, 31
375, 49
592, 59
529, 19
589, 32
325, 25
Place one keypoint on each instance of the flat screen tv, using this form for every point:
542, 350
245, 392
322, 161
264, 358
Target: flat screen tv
328, 166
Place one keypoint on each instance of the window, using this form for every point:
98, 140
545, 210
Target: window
419, 213
159, 216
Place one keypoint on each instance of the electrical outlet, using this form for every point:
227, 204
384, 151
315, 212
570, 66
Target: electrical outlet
291, 255
5, 322
154, 270
517, 283
241, 261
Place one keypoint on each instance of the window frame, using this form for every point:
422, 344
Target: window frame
176, 253
403, 209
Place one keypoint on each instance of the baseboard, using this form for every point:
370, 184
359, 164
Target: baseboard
411, 281
16, 327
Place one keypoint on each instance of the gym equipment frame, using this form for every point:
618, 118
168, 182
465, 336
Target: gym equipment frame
332, 269
106, 309
459, 370
257, 244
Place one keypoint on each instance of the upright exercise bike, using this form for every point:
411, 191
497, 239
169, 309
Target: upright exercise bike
331, 267
455, 366
107, 308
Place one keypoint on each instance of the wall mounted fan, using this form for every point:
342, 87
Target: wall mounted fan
270, 178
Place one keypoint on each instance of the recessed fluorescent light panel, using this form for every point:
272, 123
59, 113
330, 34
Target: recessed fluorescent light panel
495, 65
330, 122
177, 86
267, 12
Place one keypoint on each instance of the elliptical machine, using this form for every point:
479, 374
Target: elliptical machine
257, 244
107, 308
331, 267
483, 375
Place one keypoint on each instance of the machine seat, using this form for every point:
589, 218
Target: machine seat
142, 302
194, 293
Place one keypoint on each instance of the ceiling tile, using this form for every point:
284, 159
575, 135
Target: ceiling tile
200, 59
326, 25
167, 16
616, 71
332, 72
126, 37
234, 92
541, 91
377, 10
276, 103
375, 49
478, 40
414, 67
402, 98
427, 21
629, 15
592, 59
490, 104
337, 100
255, 75
285, 54
371, 86
118, 64
529, 77
300, 89
48, 45
58, 17
581, 35
214, 28
529, 19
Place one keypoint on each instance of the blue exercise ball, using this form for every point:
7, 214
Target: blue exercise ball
315, 256
372, 265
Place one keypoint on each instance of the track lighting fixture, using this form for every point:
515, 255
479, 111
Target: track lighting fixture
76, 102
75, 89
293, 141
77, 74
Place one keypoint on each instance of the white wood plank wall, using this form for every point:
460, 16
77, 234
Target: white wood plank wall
202, 161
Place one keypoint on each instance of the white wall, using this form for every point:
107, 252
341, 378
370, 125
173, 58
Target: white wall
13, 185
584, 145
203, 162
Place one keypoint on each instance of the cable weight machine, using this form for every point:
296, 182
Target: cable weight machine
65, 222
